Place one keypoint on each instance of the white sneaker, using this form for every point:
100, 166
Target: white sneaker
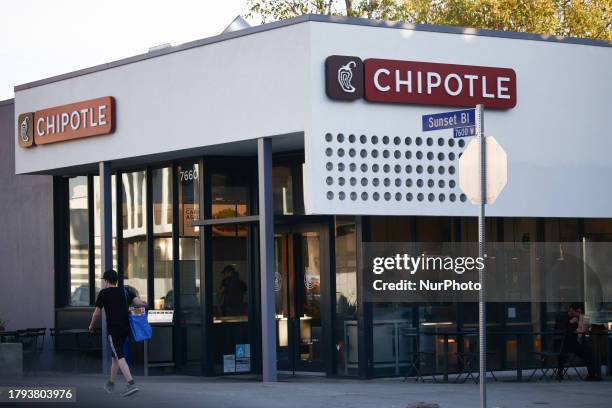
129, 390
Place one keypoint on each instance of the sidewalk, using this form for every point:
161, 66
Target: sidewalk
310, 392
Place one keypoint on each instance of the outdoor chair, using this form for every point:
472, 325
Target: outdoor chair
63, 347
417, 356
40, 333
468, 362
8, 337
470, 366
30, 350
548, 360
89, 344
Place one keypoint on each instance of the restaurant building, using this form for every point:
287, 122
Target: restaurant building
233, 181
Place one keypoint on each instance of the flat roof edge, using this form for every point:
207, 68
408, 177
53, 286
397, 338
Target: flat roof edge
7, 102
322, 19
449, 29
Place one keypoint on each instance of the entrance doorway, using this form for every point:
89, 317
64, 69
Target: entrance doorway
300, 280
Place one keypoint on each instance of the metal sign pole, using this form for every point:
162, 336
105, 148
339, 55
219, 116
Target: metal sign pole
482, 313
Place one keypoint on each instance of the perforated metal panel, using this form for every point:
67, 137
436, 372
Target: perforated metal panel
383, 168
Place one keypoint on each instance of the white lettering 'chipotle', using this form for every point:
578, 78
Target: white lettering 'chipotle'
82, 119
427, 83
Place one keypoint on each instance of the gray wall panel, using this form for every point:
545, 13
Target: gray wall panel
26, 238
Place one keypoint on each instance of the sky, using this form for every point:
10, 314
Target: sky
43, 38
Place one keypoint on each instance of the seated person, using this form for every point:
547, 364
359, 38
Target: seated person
567, 323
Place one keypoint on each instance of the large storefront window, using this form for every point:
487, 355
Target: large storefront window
346, 297
98, 229
135, 232
282, 185
161, 185
189, 260
230, 193
231, 280
287, 186
79, 241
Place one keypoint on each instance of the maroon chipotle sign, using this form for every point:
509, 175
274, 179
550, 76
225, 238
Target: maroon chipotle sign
422, 83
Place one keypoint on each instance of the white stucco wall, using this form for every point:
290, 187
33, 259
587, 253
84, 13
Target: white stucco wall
272, 83
557, 138
233, 90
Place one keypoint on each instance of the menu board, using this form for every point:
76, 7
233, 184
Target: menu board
160, 316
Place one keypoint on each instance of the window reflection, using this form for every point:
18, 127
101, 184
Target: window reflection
134, 232
282, 190
231, 283
161, 185
230, 194
346, 296
189, 258
79, 241
98, 228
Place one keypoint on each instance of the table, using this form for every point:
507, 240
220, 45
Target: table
8, 336
519, 340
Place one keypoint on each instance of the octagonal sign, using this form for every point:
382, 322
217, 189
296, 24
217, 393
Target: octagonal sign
469, 170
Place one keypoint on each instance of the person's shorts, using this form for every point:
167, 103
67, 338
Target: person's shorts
116, 345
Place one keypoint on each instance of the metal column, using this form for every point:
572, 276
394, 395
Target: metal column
266, 259
106, 230
482, 310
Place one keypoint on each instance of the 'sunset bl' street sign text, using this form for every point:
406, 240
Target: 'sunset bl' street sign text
448, 120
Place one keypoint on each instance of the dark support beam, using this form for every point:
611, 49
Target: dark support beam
365, 342
178, 352
106, 240
206, 272
61, 243
266, 259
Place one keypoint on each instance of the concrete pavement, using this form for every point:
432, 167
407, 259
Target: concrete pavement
315, 392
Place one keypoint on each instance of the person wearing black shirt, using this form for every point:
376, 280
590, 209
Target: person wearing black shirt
231, 292
567, 323
115, 300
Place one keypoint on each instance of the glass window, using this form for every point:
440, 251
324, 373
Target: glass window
135, 232
98, 229
231, 282
282, 190
161, 185
346, 296
79, 241
189, 258
230, 193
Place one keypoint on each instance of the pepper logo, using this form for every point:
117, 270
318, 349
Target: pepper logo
25, 129
345, 74
344, 77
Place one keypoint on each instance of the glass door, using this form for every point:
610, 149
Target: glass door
298, 271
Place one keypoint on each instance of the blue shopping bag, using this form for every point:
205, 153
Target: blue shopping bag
139, 323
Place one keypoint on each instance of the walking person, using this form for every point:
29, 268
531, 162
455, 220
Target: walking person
115, 300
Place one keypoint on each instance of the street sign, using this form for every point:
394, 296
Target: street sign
496, 170
447, 120
464, 131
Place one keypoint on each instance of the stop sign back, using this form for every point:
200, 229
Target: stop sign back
496, 170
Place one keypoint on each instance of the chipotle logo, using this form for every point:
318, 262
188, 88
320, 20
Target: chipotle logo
421, 83
74, 121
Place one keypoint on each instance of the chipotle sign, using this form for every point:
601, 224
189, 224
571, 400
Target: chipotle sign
422, 83
74, 121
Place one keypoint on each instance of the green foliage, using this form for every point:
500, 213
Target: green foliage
575, 18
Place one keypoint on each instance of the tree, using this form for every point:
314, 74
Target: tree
575, 18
